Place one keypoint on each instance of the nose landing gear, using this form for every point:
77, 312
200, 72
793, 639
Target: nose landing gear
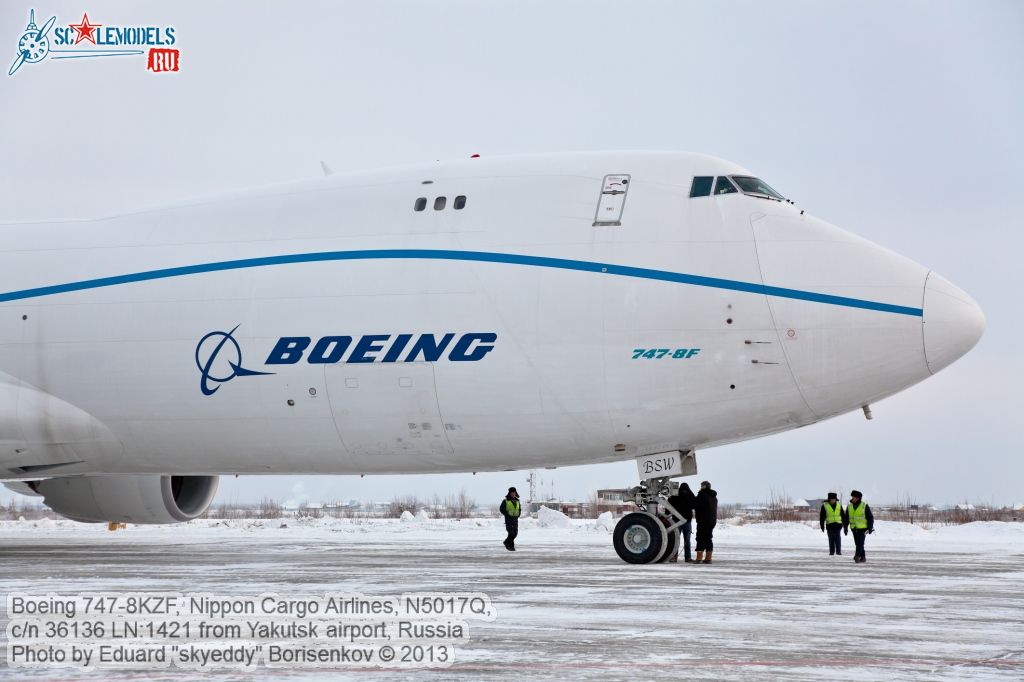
652, 534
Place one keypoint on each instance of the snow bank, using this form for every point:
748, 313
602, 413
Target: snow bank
773, 530
605, 522
551, 518
407, 517
985, 532
900, 530
422, 515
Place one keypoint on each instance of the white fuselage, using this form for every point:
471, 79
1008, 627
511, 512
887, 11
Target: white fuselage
769, 319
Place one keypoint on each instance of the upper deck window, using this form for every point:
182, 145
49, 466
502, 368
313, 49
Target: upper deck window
701, 186
756, 187
723, 186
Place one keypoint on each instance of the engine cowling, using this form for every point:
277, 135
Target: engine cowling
128, 499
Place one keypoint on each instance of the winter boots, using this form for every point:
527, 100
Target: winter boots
700, 557
707, 557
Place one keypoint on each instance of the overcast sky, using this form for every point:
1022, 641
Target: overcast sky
900, 121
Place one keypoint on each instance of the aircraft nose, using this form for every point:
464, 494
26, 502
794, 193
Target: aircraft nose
952, 321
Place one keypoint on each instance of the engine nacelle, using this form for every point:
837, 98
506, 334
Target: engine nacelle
128, 499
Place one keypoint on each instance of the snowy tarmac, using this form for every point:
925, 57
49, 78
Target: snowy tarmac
946, 603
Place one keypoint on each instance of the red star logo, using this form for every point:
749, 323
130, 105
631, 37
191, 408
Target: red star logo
85, 30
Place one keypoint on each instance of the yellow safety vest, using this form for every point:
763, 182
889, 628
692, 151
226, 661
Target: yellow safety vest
833, 515
858, 519
512, 508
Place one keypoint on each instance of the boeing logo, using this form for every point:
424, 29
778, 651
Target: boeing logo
213, 373
328, 350
219, 357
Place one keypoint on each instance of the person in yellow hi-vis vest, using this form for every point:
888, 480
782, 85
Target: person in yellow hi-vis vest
861, 522
511, 509
832, 520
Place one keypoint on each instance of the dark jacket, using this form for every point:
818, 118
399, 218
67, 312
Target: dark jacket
821, 516
684, 501
705, 508
504, 511
867, 515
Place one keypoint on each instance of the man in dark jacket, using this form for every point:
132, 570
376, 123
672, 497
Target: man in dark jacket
705, 509
832, 519
861, 521
683, 502
510, 509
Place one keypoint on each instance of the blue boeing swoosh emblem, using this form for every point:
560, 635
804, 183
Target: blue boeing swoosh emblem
210, 382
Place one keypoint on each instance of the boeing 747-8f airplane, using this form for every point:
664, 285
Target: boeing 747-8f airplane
476, 315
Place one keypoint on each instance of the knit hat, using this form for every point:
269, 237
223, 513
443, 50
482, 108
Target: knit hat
855, 493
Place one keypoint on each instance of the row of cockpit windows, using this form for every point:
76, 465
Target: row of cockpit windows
704, 184
440, 203
707, 185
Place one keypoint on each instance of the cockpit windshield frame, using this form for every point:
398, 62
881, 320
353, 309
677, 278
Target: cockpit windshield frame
756, 187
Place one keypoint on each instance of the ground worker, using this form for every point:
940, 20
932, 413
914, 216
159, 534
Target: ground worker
833, 520
705, 509
861, 521
683, 502
510, 509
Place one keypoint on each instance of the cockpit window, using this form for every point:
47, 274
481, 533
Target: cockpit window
756, 187
723, 186
701, 186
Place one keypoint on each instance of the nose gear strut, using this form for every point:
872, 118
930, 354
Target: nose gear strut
650, 535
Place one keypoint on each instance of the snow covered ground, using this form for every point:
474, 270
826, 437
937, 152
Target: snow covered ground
941, 603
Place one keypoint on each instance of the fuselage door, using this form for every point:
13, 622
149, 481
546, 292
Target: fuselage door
388, 409
612, 200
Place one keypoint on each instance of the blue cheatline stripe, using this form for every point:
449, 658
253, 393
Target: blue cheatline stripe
444, 254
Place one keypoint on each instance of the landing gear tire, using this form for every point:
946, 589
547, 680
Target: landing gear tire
672, 545
640, 538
